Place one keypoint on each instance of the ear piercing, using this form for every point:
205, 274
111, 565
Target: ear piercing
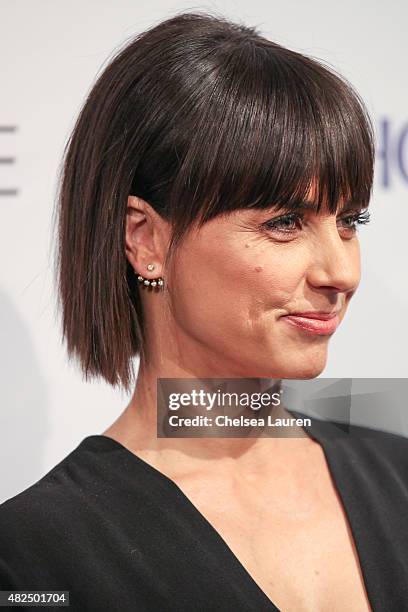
155, 282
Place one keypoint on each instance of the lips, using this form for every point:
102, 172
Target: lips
321, 323
316, 314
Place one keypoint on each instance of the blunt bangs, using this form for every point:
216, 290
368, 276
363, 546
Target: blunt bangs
273, 128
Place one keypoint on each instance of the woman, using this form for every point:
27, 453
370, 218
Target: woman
207, 222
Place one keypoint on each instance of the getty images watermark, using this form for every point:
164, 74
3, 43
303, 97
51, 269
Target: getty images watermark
221, 408
233, 407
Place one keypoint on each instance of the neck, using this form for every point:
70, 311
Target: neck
136, 429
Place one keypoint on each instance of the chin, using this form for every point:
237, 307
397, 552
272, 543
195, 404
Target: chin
302, 365
304, 374
306, 369
299, 364
289, 371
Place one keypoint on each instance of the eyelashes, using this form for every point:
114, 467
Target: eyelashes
361, 218
285, 223
291, 222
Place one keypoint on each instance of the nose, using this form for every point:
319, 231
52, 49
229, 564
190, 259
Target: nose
335, 262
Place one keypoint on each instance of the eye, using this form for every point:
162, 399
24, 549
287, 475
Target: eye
286, 224
350, 222
289, 224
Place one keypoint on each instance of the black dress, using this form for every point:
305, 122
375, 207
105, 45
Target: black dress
121, 536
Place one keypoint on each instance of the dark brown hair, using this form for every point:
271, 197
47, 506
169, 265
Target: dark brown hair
198, 116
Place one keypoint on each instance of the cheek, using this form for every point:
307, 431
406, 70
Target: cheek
279, 272
210, 287
233, 285
276, 279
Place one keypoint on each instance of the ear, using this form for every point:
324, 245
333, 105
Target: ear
144, 238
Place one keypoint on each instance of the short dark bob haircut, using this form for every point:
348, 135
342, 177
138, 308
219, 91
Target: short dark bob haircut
198, 116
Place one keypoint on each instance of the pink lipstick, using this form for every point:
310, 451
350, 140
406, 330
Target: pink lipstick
320, 323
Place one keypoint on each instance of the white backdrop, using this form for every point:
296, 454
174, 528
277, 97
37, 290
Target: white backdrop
50, 54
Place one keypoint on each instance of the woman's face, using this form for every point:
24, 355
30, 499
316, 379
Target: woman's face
237, 278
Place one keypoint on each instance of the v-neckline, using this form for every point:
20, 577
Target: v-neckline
319, 431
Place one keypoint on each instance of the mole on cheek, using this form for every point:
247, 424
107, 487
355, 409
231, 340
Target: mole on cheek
258, 269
